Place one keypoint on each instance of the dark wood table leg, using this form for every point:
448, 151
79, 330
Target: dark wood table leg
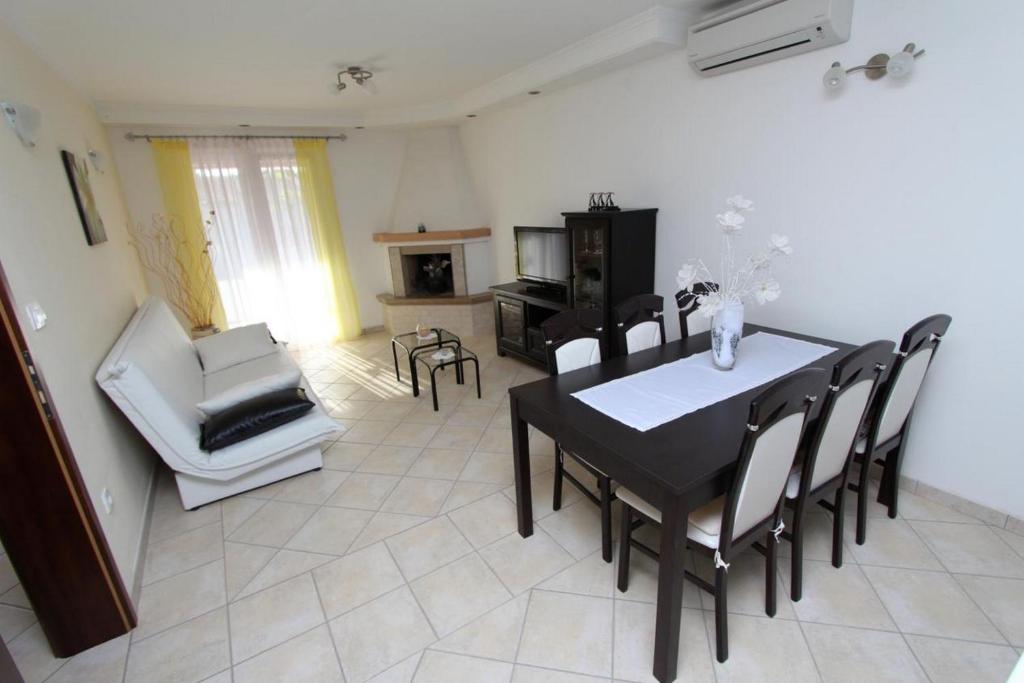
521, 462
415, 375
670, 589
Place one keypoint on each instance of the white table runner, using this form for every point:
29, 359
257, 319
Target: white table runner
653, 397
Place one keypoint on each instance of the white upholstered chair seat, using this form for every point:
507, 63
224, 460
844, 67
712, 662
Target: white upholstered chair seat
862, 445
704, 525
793, 483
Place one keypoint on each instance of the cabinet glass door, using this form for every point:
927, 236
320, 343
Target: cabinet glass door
512, 330
588, 263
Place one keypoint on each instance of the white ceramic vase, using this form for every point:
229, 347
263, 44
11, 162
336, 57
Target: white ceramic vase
726, 331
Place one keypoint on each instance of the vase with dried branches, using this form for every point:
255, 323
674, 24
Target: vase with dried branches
181, 257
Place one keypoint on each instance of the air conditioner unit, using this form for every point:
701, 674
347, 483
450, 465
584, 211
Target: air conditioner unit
766, 30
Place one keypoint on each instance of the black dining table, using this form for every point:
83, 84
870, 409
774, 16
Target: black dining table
677, 466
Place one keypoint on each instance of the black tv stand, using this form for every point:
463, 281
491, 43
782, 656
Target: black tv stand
553, 292
519, 309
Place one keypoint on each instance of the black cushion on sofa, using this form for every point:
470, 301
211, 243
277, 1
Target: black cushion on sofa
255, 416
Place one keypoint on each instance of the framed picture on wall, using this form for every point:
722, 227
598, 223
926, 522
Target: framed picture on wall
78, 176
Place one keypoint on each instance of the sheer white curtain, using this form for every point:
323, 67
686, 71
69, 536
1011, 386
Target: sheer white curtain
263, 252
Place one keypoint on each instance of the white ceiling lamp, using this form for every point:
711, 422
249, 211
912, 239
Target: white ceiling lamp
359, 76
898, 66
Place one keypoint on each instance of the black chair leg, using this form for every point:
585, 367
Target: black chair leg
888, 489
605, 484
837, 527
862, 500
796, 587
556, 495
771, 566
624, 535
721, 612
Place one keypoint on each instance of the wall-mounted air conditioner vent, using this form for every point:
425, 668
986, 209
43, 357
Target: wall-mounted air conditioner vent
766, 30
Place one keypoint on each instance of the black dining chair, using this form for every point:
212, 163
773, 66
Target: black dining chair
890, 414
827, 450
752, 509
574, 339
640, 322
686, 301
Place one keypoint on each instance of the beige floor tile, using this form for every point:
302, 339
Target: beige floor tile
395, 460
273, 524
14, 621
190, 652
428, 546
183, 552
309, 657
458, 593
170, 518
522, 563
875, 509
762, 649
495, 635
369, 431
32, 655
104, 663
931, 604
486, 520
837, 596
261, 621
424, 413
817, 538
542, 490
1015, 541
401, 672
533, 674
364, 491
634, 644
378, 635
412, 434
746, 585
489, 468
356, 579
970, 549
445, 667
914, 507
346, 456
348, 409
418, 496
496, 441
312, 488
1002, 600
568, 632
594, 577
746, 590
169, 602
8, 579
576, 527
889, 543
15, 597
389, 410
285, 565
955, 661
460, 437
466, 492
330, 530
855, 655
242, 563
472, 415
384, 525
439, 463
235, 511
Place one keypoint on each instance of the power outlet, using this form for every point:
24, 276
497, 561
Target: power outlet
107, 499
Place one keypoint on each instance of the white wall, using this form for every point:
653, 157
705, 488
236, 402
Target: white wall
901, 200
435, 187
88, 292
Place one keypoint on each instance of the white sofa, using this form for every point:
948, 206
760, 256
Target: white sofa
154, 375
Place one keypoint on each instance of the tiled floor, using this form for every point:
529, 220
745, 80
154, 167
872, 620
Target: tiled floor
399, 561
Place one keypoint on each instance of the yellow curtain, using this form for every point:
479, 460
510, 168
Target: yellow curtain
174, 169
322, 211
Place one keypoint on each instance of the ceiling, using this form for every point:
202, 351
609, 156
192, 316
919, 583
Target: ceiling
274, 54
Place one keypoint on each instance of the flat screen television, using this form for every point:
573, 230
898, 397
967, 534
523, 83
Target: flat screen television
542, 255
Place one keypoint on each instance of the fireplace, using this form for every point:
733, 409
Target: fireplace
429, 270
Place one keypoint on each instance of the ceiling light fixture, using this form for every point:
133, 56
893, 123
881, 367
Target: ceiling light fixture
898, 66
533, 92
470, 116
356, 73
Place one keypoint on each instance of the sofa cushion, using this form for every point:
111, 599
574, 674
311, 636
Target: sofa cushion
234, 346
253, 417
287, 379
257, 369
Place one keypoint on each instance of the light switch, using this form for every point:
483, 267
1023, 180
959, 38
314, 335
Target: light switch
36, 315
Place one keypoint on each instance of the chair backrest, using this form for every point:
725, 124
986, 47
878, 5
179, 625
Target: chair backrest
773, 430
640, 322
917, 350
850, 392
686, 300
573, 339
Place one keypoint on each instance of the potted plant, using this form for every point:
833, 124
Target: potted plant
751, 279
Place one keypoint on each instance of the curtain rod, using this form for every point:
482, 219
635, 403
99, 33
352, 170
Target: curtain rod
132, 137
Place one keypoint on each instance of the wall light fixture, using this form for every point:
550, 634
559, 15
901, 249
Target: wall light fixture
898, 66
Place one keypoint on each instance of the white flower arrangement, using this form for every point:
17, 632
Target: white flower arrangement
751, 279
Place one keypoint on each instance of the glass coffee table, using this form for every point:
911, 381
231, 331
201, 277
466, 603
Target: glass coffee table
413, 345
439, 359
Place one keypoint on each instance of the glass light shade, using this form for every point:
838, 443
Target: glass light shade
835, 77
900, 65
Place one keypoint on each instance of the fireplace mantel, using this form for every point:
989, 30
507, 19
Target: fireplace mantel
431, 236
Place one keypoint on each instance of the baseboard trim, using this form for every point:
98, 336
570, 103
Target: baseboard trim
140, 554
374, 329
963, 505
